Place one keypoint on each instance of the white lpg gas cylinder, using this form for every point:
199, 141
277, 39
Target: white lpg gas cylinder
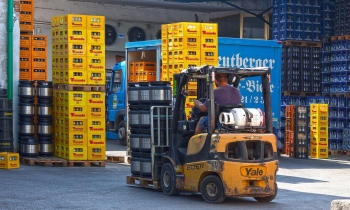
242, 117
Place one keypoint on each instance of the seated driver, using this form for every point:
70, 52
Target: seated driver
224, 94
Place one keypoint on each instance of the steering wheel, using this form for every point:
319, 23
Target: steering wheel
196, 112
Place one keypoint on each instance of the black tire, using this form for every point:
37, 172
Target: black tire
268, 198
212, 189
122, 133
168, 180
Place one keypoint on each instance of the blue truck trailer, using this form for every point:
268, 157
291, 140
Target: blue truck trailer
233, 52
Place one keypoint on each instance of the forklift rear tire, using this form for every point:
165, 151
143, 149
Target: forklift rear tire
268, 198
122, 133
168, 180
212, 190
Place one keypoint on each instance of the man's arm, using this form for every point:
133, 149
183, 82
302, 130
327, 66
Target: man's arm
200, 106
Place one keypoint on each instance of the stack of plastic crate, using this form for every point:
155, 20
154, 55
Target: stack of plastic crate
346, 139
289, 131
301, 131
319, 130
341, 17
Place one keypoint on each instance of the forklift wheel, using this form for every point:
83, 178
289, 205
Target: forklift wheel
269, 198
122, 133
212, 190
168, 180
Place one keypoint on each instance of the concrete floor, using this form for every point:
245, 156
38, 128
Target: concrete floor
303, 184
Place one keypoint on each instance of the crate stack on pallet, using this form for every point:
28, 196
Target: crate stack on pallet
341, 17
289, 131
187, 44
301, 132
346, 139
142, 71
79, 84
319, 130
33, 48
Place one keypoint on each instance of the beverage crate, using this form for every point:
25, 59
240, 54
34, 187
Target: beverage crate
75, 152
75, 77
26, 26
96, 153
301, 138
39, 74
319, 120
75, 98
95, 22
96, 50
96, 112
39, 52
95, 98
208, 30
318, 141
9, 160
290, 109
78, 112
98, 64
26, 5
39, 41
75, 125
207, 43
182, 43
96, 125
96, 139
319, 131
319, 152
209, 57
301, 152
289, 124
26, 16
75, 139
319, 109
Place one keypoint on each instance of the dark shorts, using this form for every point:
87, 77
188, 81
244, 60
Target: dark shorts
204, 123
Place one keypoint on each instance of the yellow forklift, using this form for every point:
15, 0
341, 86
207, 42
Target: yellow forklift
238, 159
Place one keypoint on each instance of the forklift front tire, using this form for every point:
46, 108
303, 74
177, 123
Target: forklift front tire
168, 180
122, 133
212, 190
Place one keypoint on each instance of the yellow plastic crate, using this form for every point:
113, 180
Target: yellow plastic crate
62, 151
96, 139
9, 160
187, 55
209, 57
96, 111
318, 141
95, 22
319, 120
165, 57
96, 153
75, 139
57, 150
209, 30
95, 98
74, 63
319, 109
76, 112
164, 30
96, 77
75, 77
74, 21
188, 29
76, 126
319, 131
96, 125
72, 35
96, 50
75, 98
319, 152
74, 49
169, 30
188, 112
95, 36
164, 43
182, 43
190, 101
75, 153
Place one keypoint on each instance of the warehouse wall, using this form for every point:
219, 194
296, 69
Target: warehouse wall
3, 44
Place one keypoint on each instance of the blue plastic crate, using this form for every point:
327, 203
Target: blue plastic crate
283, 111
286, 9
316, 87
302, 100
307, 9
345, 66
341, 102
327, 33
345, 87
316, 28
333, 122
316, 11
299, 9
327, 7
311, 100
299, 2
316, 3
299, 35
346, 55
334, 67
333, 143
325, 88
340, 144
308, 36
347, 104
326, 47
341, 112
308, 18
333, 101
326, 67
316, 20
327, 24
335, 77
326, 56
347, 44
333, 134
291, 100
308, 27
334, 45
299, 27
327, 99
316, 37
326, 77
286, 35
320, 99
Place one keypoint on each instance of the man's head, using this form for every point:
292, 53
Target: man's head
220, 79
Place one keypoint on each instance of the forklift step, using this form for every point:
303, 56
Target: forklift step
143, 182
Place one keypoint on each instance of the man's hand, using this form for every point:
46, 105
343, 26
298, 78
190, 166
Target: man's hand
200, 106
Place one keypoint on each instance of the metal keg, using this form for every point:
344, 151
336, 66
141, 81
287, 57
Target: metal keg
29, 146
133, 93
26, 110
45, 127
160, 93
44, 89
44, 110
26, 89
26, 127
46, 146
144, 93
145, 165
135, 163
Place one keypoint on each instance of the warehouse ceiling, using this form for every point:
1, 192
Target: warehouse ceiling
191, 5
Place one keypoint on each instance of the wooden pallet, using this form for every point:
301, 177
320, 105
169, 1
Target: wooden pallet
294, 93
44, 161
326, 39
86, 163
343, 37
345, 95
85, 88
338, 152
143, 182
116, 159
301, 43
